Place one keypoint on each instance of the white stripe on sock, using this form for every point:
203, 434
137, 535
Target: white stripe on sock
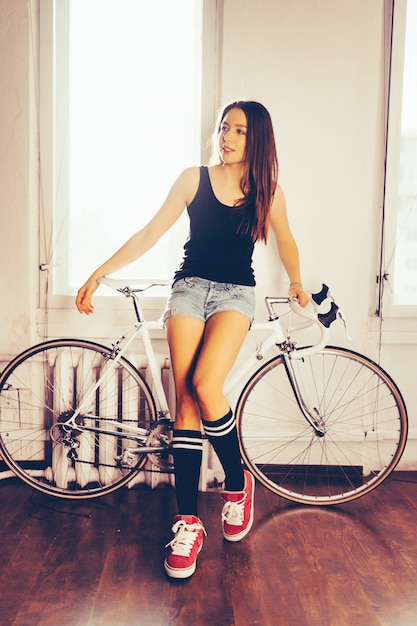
189, 443
220, 431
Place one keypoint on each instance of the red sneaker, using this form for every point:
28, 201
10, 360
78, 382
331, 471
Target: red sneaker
237, 514
185, 546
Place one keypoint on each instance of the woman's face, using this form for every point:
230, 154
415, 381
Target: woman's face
232, 137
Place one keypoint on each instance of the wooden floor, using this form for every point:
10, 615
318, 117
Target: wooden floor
99, 563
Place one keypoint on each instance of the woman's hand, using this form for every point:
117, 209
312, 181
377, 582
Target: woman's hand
296, 291
84, 295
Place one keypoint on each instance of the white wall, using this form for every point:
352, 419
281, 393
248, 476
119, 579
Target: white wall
318, 66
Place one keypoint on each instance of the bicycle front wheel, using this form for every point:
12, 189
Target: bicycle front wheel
41, 390
363, 418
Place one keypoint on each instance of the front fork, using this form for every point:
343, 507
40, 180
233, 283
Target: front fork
313, 417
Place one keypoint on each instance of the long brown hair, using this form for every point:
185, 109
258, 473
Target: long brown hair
261, 167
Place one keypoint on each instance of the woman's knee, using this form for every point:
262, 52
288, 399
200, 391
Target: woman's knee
206, 391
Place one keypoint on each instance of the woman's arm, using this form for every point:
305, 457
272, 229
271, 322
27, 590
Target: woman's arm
179, 196
287, 247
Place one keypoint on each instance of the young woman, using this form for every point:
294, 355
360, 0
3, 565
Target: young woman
231, 204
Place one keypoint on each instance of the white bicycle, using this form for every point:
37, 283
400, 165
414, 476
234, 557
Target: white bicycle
317, 425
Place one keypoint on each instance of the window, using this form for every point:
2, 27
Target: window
400, 231
125, 83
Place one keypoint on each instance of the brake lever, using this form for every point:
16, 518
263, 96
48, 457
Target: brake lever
341, 316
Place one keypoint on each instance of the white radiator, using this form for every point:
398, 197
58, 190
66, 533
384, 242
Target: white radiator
151, 475
211, 471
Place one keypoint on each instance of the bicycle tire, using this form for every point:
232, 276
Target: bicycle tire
365, 423
41, 388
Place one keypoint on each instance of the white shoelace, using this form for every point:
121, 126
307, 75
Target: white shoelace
233, 512
185, 536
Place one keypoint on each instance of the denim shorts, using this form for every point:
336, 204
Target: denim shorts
201, 298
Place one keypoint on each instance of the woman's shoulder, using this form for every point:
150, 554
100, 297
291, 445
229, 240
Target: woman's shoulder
194, 170
191, 175
188, 181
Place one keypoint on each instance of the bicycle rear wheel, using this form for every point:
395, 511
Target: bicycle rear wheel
39, 392
363, 415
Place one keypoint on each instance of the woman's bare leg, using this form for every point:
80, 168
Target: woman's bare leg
185, 338
223, 338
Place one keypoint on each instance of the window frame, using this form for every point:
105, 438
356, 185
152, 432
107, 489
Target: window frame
56, 315
386, 307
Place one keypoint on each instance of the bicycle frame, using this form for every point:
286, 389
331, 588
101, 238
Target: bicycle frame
236, 380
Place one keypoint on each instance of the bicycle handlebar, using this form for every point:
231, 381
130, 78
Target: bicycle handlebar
133, 285
322, 320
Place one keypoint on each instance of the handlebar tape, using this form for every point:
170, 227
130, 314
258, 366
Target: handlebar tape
321, 295
328, 318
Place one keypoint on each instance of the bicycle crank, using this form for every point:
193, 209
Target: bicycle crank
157, 447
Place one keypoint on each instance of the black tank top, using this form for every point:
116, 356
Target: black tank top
214, 250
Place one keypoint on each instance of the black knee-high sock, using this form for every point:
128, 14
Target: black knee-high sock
188, 451
222, 435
